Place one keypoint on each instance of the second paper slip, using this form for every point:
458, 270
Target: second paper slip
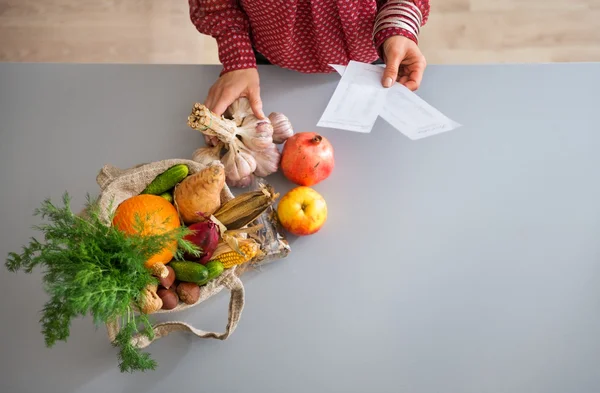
401, 108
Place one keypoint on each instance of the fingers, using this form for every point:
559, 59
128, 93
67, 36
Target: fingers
223, 99
210, 99
256, 102
232, 85
413, 73
392, 64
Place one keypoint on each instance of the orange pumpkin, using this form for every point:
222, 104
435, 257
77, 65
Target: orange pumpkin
158, 217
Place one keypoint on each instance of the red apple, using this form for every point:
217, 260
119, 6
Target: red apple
302, 211
307, 158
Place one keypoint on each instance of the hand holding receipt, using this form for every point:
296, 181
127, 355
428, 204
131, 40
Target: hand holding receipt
360, 98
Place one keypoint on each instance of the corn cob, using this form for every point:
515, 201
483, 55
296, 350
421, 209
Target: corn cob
230, 258
246, 207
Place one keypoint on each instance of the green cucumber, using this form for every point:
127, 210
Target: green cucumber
189, 271
167, 180
215, 268
167, 195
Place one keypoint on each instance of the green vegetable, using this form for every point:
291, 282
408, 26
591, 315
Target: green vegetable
215, 268
189, 271
167, 180
168, 196
94, 269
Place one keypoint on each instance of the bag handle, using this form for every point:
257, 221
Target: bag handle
236, 305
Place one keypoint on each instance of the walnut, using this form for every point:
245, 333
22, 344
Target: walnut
151, 302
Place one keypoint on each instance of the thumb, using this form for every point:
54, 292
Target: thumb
256, 103
392, 65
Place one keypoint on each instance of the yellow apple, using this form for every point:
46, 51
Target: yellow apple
302, 211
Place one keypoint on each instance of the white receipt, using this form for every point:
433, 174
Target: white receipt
357, 100
409, 113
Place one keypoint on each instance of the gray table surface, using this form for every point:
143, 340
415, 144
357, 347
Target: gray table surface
468, 262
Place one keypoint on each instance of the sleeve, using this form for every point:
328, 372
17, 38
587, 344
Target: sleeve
384, 34
227, 23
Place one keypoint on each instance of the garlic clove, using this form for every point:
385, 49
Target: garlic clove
239, 110
239, 163
242, 183
255, 134
282, 127
206, 155
267, 161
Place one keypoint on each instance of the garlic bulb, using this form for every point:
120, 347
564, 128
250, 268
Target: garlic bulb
267, 161
250, 142
255, 134
282, 127
206, 155
239, 110
242, 183
239, 163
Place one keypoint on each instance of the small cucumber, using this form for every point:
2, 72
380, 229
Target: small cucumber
167, 196
167, 180
215, 268
189, 271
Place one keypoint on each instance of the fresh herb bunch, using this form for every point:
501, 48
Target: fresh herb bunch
92, 268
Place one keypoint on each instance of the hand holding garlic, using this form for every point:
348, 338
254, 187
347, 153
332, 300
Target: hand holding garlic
249, 142
232, 85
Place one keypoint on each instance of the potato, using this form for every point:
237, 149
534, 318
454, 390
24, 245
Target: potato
169, 298
188, 292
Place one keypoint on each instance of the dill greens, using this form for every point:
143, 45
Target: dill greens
95, 269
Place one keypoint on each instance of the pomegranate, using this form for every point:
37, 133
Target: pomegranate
307, 158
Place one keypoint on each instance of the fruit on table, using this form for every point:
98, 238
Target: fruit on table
206, 237
169, 298
199, 195
302, 211
157, 217
188, 292
307, 159
190, 271
167, 180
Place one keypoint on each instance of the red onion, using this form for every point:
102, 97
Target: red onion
205, 236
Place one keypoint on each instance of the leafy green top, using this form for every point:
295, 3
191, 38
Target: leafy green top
92, 268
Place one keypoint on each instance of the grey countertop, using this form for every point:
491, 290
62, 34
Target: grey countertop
468, 262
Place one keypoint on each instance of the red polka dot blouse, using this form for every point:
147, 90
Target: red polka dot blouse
301, 35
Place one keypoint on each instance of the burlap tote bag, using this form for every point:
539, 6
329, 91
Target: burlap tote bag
118, 185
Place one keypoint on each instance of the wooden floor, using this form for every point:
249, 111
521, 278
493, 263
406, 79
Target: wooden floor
159, 31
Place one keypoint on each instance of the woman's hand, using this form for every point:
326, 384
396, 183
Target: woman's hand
232, 85
404, 62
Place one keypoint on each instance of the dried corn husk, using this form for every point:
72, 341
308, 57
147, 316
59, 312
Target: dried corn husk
246, 207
